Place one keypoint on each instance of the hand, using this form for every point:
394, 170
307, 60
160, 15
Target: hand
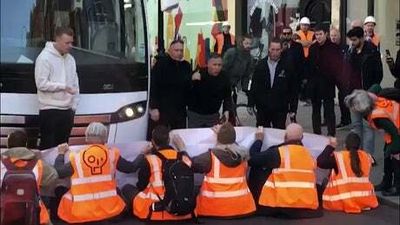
250, 110
333, 142
226, 115
196, 76
178, 142
260, 133
63, 148
216, 128
154, 115
71, 90
148, 149
389, 61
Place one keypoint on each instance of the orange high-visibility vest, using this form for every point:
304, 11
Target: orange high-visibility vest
347, 192
220, 42
304, 37
224, 192
386, 109
38, 172
376, 40
93, 194
292, 185
144, 201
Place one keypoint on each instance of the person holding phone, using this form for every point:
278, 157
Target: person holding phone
394, 66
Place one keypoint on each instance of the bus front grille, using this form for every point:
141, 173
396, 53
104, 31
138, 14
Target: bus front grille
30, 124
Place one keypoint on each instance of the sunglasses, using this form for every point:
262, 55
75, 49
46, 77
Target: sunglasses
286, 33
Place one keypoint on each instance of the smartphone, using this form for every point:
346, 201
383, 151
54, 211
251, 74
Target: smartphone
387, 52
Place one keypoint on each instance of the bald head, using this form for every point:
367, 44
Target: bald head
294, 132
356, 23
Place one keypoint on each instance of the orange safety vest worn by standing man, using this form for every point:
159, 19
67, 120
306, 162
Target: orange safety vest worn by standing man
292, 185
93, 194
347, 192
145, 201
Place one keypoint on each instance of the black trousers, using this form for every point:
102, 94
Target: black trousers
345, 117
329, 115
391, 169
55, 127
269, 118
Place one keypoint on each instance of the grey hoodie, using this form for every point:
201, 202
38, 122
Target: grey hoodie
53, 73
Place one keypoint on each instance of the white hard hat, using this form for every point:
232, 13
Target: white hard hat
226, 23
369, 19
305, 20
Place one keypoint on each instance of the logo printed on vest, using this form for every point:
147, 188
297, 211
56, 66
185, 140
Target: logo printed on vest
95, 158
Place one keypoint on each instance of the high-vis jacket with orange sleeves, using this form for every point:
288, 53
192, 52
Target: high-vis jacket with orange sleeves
306, 37
93, 194
144, 203
386, 109
292, 185
38, 172
224, 192
347, 192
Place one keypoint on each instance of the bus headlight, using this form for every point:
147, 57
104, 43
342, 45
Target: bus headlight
129, 112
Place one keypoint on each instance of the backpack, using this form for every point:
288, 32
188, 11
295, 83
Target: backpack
179, 198
19, 195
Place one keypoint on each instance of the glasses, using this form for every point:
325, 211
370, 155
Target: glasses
286, 33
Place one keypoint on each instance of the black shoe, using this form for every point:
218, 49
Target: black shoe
382, 187
391, 192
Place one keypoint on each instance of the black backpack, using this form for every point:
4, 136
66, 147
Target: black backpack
19, 195
179, 198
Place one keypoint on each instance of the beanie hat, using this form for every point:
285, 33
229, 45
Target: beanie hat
226, 134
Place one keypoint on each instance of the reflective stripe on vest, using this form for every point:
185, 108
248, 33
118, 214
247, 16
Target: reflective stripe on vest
386, 109
91, 196
225, 194
347, 195
157, 182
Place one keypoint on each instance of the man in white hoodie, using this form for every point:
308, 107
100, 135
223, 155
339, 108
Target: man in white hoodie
58, 89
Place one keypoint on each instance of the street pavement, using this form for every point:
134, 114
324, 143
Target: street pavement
386, 214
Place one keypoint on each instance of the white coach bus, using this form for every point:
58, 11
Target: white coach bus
112, 59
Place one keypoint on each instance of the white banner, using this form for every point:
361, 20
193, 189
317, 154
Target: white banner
199, 141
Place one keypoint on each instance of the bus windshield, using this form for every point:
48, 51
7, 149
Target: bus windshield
110, 47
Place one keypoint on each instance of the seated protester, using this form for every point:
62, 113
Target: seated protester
20, 156
282, 178
349, 188
224, 192
210, 89
93, 194
381, 108
147, 203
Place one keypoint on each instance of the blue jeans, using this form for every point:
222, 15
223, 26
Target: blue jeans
367, 134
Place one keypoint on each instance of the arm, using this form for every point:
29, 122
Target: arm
42, 73
63, 170
293, 89
154, 91
202, 163
228, 102
76, 87
377, 70
126, 166
143, 175
389, 128
326, 160
255, 148
267, 159
49, 175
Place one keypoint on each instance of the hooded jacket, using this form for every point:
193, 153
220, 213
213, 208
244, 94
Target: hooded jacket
53, 73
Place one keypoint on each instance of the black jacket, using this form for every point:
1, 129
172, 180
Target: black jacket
295, 55
367, 63
282, 97
326, 65
207, 94
170, 86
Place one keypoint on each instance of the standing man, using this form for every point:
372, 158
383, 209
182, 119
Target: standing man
325, 60
370, 34
273, 89
58, 89
365, 69
293, 52
210, 89
341, 80
169, 88
306, 40
224, 40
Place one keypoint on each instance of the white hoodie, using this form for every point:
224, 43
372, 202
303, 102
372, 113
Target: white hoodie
53, 73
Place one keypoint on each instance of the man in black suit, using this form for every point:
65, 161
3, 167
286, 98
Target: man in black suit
273, 89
